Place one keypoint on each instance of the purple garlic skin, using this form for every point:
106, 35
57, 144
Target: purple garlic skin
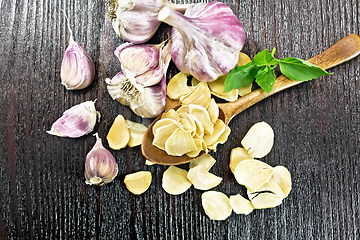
100, 165
77, 121
77, 68
142, 82
207, 39
136, 21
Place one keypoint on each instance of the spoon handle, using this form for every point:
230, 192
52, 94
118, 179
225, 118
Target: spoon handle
342, 51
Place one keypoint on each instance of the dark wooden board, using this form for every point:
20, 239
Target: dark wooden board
43, 194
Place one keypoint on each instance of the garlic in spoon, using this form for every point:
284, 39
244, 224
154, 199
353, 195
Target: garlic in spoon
207, 39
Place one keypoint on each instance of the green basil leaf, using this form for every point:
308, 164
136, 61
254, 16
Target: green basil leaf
300, 70
240, 76
265, 78
265, 58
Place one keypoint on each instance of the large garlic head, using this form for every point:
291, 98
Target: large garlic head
135, 20
207, 39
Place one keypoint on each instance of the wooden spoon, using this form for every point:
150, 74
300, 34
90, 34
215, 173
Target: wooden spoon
342, 51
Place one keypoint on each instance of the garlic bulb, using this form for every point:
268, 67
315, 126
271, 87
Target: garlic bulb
136, 20
207, 39
100, 165
77, 68
142, 82
77, 121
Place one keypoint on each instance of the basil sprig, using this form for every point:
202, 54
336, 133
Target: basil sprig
261, 69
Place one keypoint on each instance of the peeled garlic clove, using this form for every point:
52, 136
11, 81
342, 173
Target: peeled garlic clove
137, 132
177, 86
100, 165
240, 205
207, 39
202, 179
179, 143
237, 155
259, 140
283, 178
253, 173
118, 135
206, 160
77, 68
77, 121
175, 181
138, 182
216, 205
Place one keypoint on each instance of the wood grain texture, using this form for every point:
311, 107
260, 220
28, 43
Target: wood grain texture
43, 194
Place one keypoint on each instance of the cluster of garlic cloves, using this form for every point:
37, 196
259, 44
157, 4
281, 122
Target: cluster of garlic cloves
136, 21
207, 39
100, 165
142, 82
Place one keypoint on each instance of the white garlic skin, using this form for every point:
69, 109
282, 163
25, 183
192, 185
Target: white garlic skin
77, 68
77, 121
100, 165
207, 39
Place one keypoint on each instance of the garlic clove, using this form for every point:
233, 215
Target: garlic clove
138, 182
207, 39
77, 121
77, 68
119, 134
100, 165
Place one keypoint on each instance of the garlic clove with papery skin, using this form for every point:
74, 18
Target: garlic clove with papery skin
77, 68
77, 121
100, 165
206, 40
136, 21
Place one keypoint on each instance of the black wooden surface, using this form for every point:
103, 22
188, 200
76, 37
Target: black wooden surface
43, 194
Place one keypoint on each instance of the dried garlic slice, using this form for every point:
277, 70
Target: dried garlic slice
222, 139
206, 160
164, 122
219, 128
137, 132
119, 134
179, 143
199, 127
149, 163
175, 181
138, 182
177, 86
237, 155
202, 179
270, 187
241, 205
253, 173
217, 89
242, 91
203, 116
283, 178
213, 110
259, 140
199, 148
266, 200
172, 114
200, 96
163, 133
216, 205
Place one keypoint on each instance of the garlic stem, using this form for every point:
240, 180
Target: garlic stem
174, 18
71, 39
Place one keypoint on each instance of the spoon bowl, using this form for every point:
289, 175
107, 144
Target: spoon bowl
342, 51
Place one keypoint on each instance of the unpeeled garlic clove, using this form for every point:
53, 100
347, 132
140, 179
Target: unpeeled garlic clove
77, 121
100, 165
77, 68
207, 39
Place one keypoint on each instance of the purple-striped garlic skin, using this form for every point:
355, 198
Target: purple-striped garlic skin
77, 121
142, 82
77, 68
207, 39
100, 165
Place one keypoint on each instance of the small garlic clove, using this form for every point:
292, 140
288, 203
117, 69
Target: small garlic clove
119, 134
100, 165
77, 121
77, 67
